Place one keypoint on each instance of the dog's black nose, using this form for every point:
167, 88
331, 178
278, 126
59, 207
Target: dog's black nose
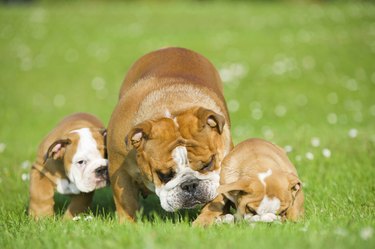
189, 186
101, 171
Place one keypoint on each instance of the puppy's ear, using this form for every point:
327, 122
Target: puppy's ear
210, 118
295, 184
138, 135
241, 185
103, 131
57, 149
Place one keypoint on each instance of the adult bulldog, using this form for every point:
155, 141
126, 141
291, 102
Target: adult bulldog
168, 133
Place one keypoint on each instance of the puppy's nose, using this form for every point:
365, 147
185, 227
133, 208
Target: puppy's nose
189, 186
101, 171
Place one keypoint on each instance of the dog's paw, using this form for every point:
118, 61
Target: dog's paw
225, 219
268, 217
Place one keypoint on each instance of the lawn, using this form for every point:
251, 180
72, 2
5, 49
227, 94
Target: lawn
302, 76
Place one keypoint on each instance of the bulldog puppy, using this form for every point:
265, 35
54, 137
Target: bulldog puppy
168, 132
258, 178
70, 160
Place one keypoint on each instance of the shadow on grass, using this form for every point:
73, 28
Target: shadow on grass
151, 211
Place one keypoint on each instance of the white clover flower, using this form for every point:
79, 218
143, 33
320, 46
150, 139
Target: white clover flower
59, 100
353, 133
315, 142
25, 177
76, 218
26, 164
366, 233
326, 153
341, 232
288, 148
309, 156
2, 147
89, 218
233, 105
98, 83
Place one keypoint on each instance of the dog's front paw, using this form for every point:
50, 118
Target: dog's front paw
225, 219
268, 217
203, 221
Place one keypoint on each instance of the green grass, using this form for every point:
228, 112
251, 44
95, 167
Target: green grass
303, 71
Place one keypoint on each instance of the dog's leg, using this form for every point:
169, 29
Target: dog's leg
41, 195
211, 211
125, 191
78, 204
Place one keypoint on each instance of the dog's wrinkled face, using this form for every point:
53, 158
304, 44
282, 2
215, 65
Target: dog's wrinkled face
181, 156
266, 196
83, 154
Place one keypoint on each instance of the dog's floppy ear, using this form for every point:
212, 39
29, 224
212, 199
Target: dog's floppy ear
240, 185
57, 149
103, 131
295, 184
138, 135
210, 118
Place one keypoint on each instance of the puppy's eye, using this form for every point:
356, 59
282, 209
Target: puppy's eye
282, 213
166, 177
250, 210
208, 166
81, 162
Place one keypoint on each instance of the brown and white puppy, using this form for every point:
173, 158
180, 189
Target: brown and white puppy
168, 132
263, 184
71, 160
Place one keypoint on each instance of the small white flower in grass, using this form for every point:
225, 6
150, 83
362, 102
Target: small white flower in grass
353, 133
98, 83
267, 132
304, 229
305, 184
76, 218
366, 233
89, 218
326, 153
309, 156
25, 164
332, 118
59, 100
233, 105
301, 100
288, 148
280, 110
332, 98
341, 232
2, 147
315, 142
256, 113
25, 177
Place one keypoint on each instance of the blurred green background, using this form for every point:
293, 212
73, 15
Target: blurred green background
298, 73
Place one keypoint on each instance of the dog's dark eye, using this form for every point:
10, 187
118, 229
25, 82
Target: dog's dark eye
250, 210
208, 166
282, 213
81, 162
166, 177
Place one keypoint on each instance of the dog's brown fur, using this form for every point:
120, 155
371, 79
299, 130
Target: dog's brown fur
183, 83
